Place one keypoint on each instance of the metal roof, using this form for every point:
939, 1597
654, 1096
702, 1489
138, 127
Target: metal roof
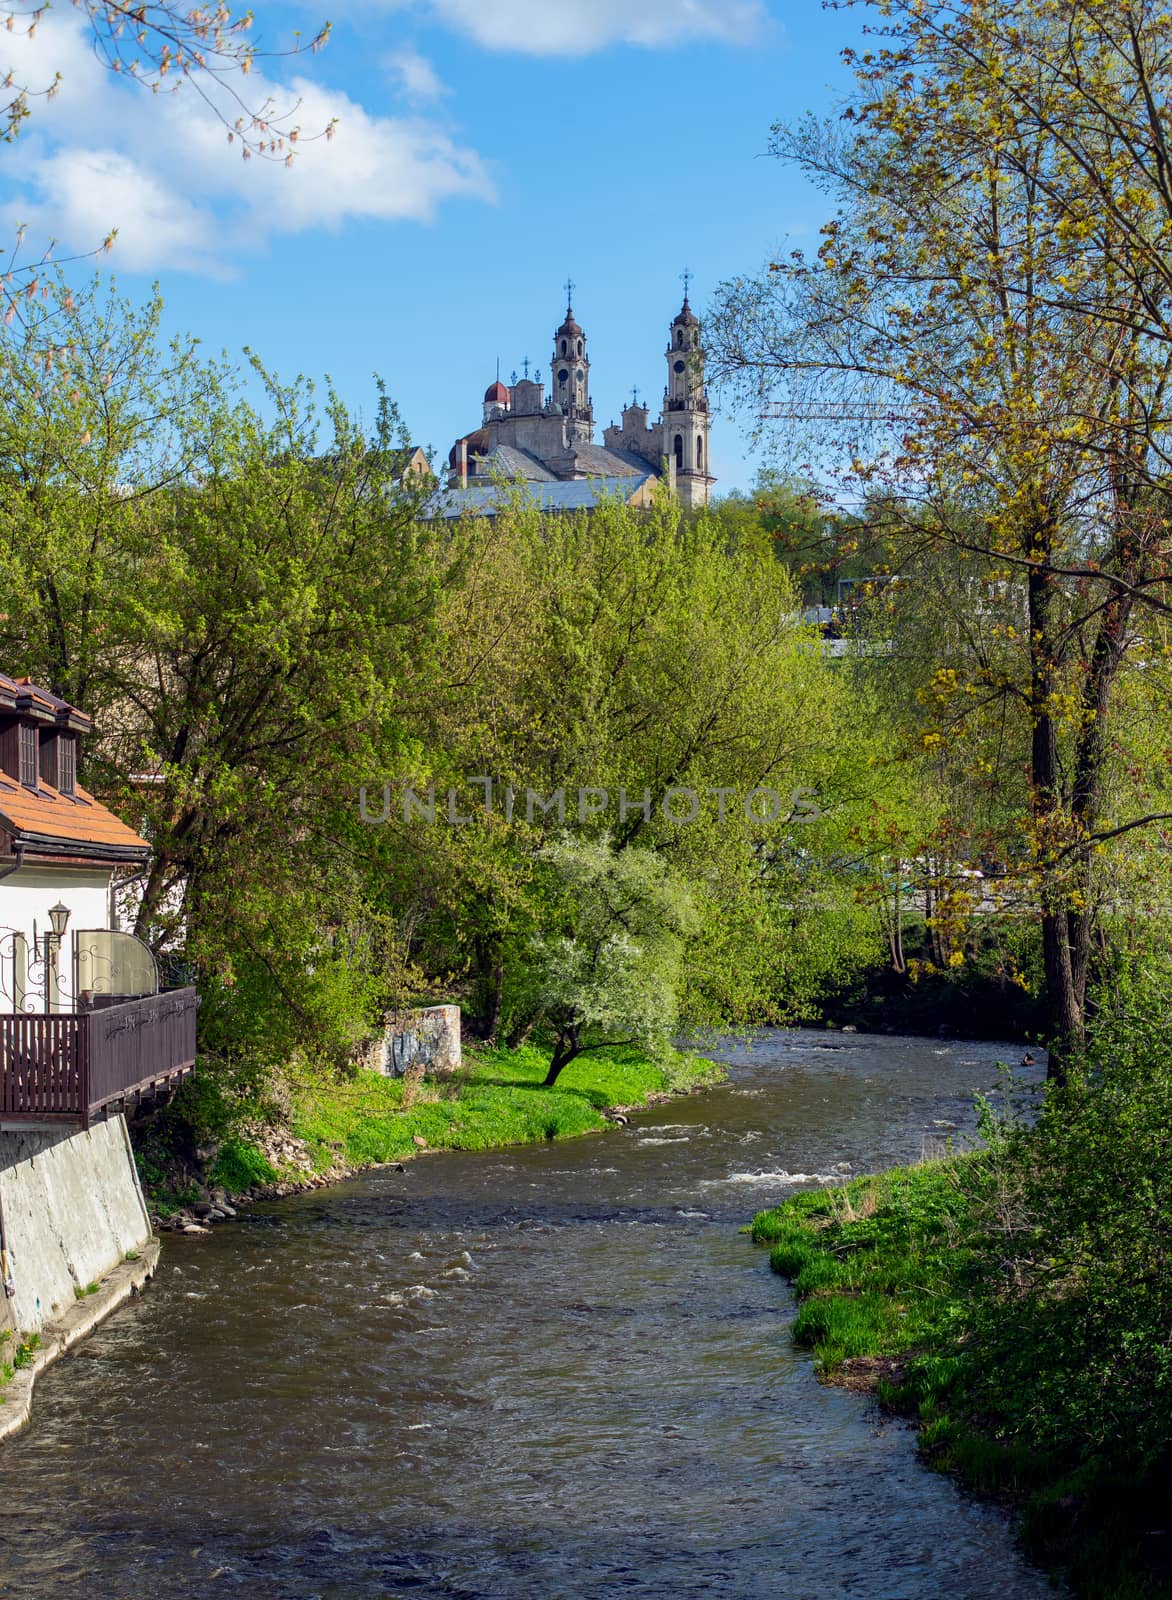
486, 499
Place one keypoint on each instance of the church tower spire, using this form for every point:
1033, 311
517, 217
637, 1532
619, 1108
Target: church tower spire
570, 374
686, 417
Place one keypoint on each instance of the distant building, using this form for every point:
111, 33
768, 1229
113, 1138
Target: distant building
547, 444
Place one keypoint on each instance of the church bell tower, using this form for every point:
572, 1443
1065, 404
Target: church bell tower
570, 375
686, 417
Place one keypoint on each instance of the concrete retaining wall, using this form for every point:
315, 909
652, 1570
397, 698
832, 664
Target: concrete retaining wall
72, 1208
428, 1036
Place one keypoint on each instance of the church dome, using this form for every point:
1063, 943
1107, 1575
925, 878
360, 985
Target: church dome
569, 327
477, 443
687, 318
496, 394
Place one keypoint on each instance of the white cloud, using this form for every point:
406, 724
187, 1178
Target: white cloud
85, 193
105, 154
578, 27
415, 75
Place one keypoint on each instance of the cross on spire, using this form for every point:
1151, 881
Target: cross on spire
570, 287
686, 275
635, 395
525, 364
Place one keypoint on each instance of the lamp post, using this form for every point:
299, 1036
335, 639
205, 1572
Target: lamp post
58, 922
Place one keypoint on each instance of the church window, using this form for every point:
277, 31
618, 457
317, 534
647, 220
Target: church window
700, 451
563, 347
679, 450
579, 347
679, 338
677, 366
581, 374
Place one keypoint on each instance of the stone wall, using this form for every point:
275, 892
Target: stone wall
72, 1209
427, 1037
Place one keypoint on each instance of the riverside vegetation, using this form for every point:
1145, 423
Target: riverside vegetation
1015, 1301
327, 1130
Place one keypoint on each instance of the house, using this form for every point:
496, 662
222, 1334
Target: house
63, 961
84, 1031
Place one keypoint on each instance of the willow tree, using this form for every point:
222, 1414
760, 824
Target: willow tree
981, 345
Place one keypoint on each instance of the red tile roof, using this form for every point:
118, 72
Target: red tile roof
45, 814
45, 817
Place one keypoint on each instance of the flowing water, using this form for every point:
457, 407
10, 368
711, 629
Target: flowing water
554, 1371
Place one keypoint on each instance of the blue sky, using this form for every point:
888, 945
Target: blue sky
485, 149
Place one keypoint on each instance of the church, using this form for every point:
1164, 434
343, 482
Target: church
547, 443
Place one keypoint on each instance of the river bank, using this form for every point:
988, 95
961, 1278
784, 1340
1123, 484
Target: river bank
920, 1285
321, 1132
554, 1368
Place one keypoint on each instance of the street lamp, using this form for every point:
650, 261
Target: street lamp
58, 922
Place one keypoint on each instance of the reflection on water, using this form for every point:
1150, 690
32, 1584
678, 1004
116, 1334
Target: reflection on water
546, 1372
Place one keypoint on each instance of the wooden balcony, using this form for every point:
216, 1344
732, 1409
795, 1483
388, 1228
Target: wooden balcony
72, 1068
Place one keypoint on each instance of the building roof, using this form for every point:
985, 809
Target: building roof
27, 698
45, 822
510, 461
569, 325
686, 317
598, 461
496, 394
578, 494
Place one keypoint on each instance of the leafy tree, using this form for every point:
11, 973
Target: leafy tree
984, 326
624, 656
606, 968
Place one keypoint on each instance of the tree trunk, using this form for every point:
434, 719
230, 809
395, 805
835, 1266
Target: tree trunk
490, 989
564, 1051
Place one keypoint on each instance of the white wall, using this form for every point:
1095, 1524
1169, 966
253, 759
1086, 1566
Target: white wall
25, 898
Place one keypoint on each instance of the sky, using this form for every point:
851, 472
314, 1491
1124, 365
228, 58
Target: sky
484, 151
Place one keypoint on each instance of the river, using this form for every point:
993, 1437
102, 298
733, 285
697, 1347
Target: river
555, 1371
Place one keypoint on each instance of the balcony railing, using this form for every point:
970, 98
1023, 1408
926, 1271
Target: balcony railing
73, 1068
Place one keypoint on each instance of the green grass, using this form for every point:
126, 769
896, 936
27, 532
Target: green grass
240, 1166
25, 1349
902, 1268
497, 1100
875, 1263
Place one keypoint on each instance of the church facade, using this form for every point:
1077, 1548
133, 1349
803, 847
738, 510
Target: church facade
547, 442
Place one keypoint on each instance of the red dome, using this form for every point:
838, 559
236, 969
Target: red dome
496, 394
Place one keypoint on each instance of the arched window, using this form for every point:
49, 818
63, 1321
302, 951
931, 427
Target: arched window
563, 347
699, 452
679, 338
579, 347
679, 450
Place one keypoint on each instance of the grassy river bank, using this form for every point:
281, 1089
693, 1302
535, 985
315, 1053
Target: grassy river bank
1013, 1302
316, 1132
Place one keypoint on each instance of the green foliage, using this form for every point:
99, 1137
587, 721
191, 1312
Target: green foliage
239, 1166
502, 1100
27, 1346
1025, 1294
606, 969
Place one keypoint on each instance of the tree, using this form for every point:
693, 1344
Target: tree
612, 660
236, 598
163, 46
606, 968
986, 325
